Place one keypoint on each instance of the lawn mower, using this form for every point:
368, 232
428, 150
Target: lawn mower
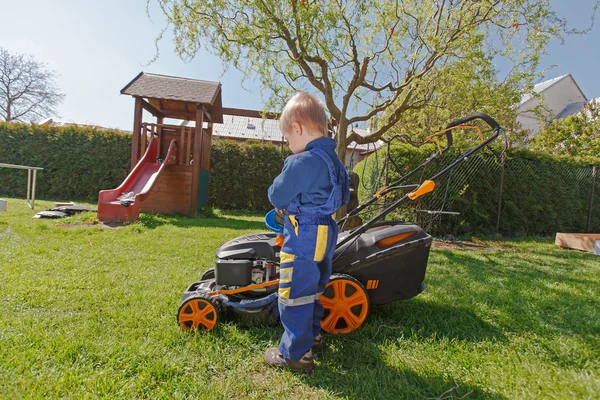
376, 263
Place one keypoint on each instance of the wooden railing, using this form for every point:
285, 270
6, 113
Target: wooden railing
183, 134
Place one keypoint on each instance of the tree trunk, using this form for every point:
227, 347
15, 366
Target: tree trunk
342, 133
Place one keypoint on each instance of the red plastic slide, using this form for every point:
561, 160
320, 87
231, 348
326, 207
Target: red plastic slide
136, 187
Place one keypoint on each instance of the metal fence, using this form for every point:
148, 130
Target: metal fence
510, 195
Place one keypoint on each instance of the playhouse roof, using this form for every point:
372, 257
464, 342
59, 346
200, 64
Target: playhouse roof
174, 96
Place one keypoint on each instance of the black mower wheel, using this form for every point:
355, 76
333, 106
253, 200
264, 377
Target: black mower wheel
198, 312
209, 274
346, 304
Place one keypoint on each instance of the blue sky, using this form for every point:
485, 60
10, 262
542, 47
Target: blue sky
97, 47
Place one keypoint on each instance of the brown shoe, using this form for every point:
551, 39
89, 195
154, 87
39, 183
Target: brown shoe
318, 344
306, 364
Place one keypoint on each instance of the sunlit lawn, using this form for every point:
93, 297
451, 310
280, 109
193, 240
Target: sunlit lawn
89, 312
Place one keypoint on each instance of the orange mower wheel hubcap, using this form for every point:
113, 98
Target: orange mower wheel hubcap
346, 305
197, 313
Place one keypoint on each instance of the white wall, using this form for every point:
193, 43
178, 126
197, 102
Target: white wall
556, 97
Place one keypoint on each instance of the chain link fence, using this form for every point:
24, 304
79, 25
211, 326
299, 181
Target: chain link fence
518, 193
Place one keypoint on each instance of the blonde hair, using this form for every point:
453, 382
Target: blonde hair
306, 110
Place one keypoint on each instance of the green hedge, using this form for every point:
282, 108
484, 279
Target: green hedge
541, 194
78, 162
240, 174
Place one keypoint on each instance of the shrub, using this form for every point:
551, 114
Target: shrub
78, 162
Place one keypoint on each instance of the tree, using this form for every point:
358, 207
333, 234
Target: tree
365, 57
464, 87
27, 88
577, 135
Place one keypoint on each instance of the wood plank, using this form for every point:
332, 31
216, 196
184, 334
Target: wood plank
578, 241
168, 184
173, 105
166, 198
170, 193
179, 168
188, 153
155, 103
151, 109
188, 116
248, 113
181, 144
178, 174
169, 207
174, 180
156, 196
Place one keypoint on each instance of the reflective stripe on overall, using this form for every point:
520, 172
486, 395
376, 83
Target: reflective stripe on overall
305, 267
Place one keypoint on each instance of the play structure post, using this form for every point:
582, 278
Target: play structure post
194, 206
137, 127
159, 123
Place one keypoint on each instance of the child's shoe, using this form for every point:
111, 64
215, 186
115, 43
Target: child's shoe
306, 364
318, 344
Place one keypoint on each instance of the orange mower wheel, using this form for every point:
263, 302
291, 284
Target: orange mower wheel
198, 312
346, 304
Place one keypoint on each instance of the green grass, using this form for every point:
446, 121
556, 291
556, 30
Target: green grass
87, 312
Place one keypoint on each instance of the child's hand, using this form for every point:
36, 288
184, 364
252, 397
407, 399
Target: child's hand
281, 211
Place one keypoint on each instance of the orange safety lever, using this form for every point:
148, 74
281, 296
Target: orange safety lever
426, 187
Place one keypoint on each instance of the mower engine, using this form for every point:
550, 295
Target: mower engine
247, 260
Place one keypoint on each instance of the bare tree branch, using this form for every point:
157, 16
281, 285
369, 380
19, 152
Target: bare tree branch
27, 88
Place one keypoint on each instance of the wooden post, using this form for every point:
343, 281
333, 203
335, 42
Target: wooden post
197, 159
208, 144
500, 192
137, 130
182, 145
589, 219
144, 138
188, 153
159, 123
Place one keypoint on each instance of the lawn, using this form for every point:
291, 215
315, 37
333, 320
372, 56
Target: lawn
89, 312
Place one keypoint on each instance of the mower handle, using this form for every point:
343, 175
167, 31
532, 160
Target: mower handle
448, 141
488, 120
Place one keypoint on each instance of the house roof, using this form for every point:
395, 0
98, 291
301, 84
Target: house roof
53, 122
236, 127
365, 147
545, 85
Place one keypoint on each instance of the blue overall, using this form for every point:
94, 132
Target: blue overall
310, 236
